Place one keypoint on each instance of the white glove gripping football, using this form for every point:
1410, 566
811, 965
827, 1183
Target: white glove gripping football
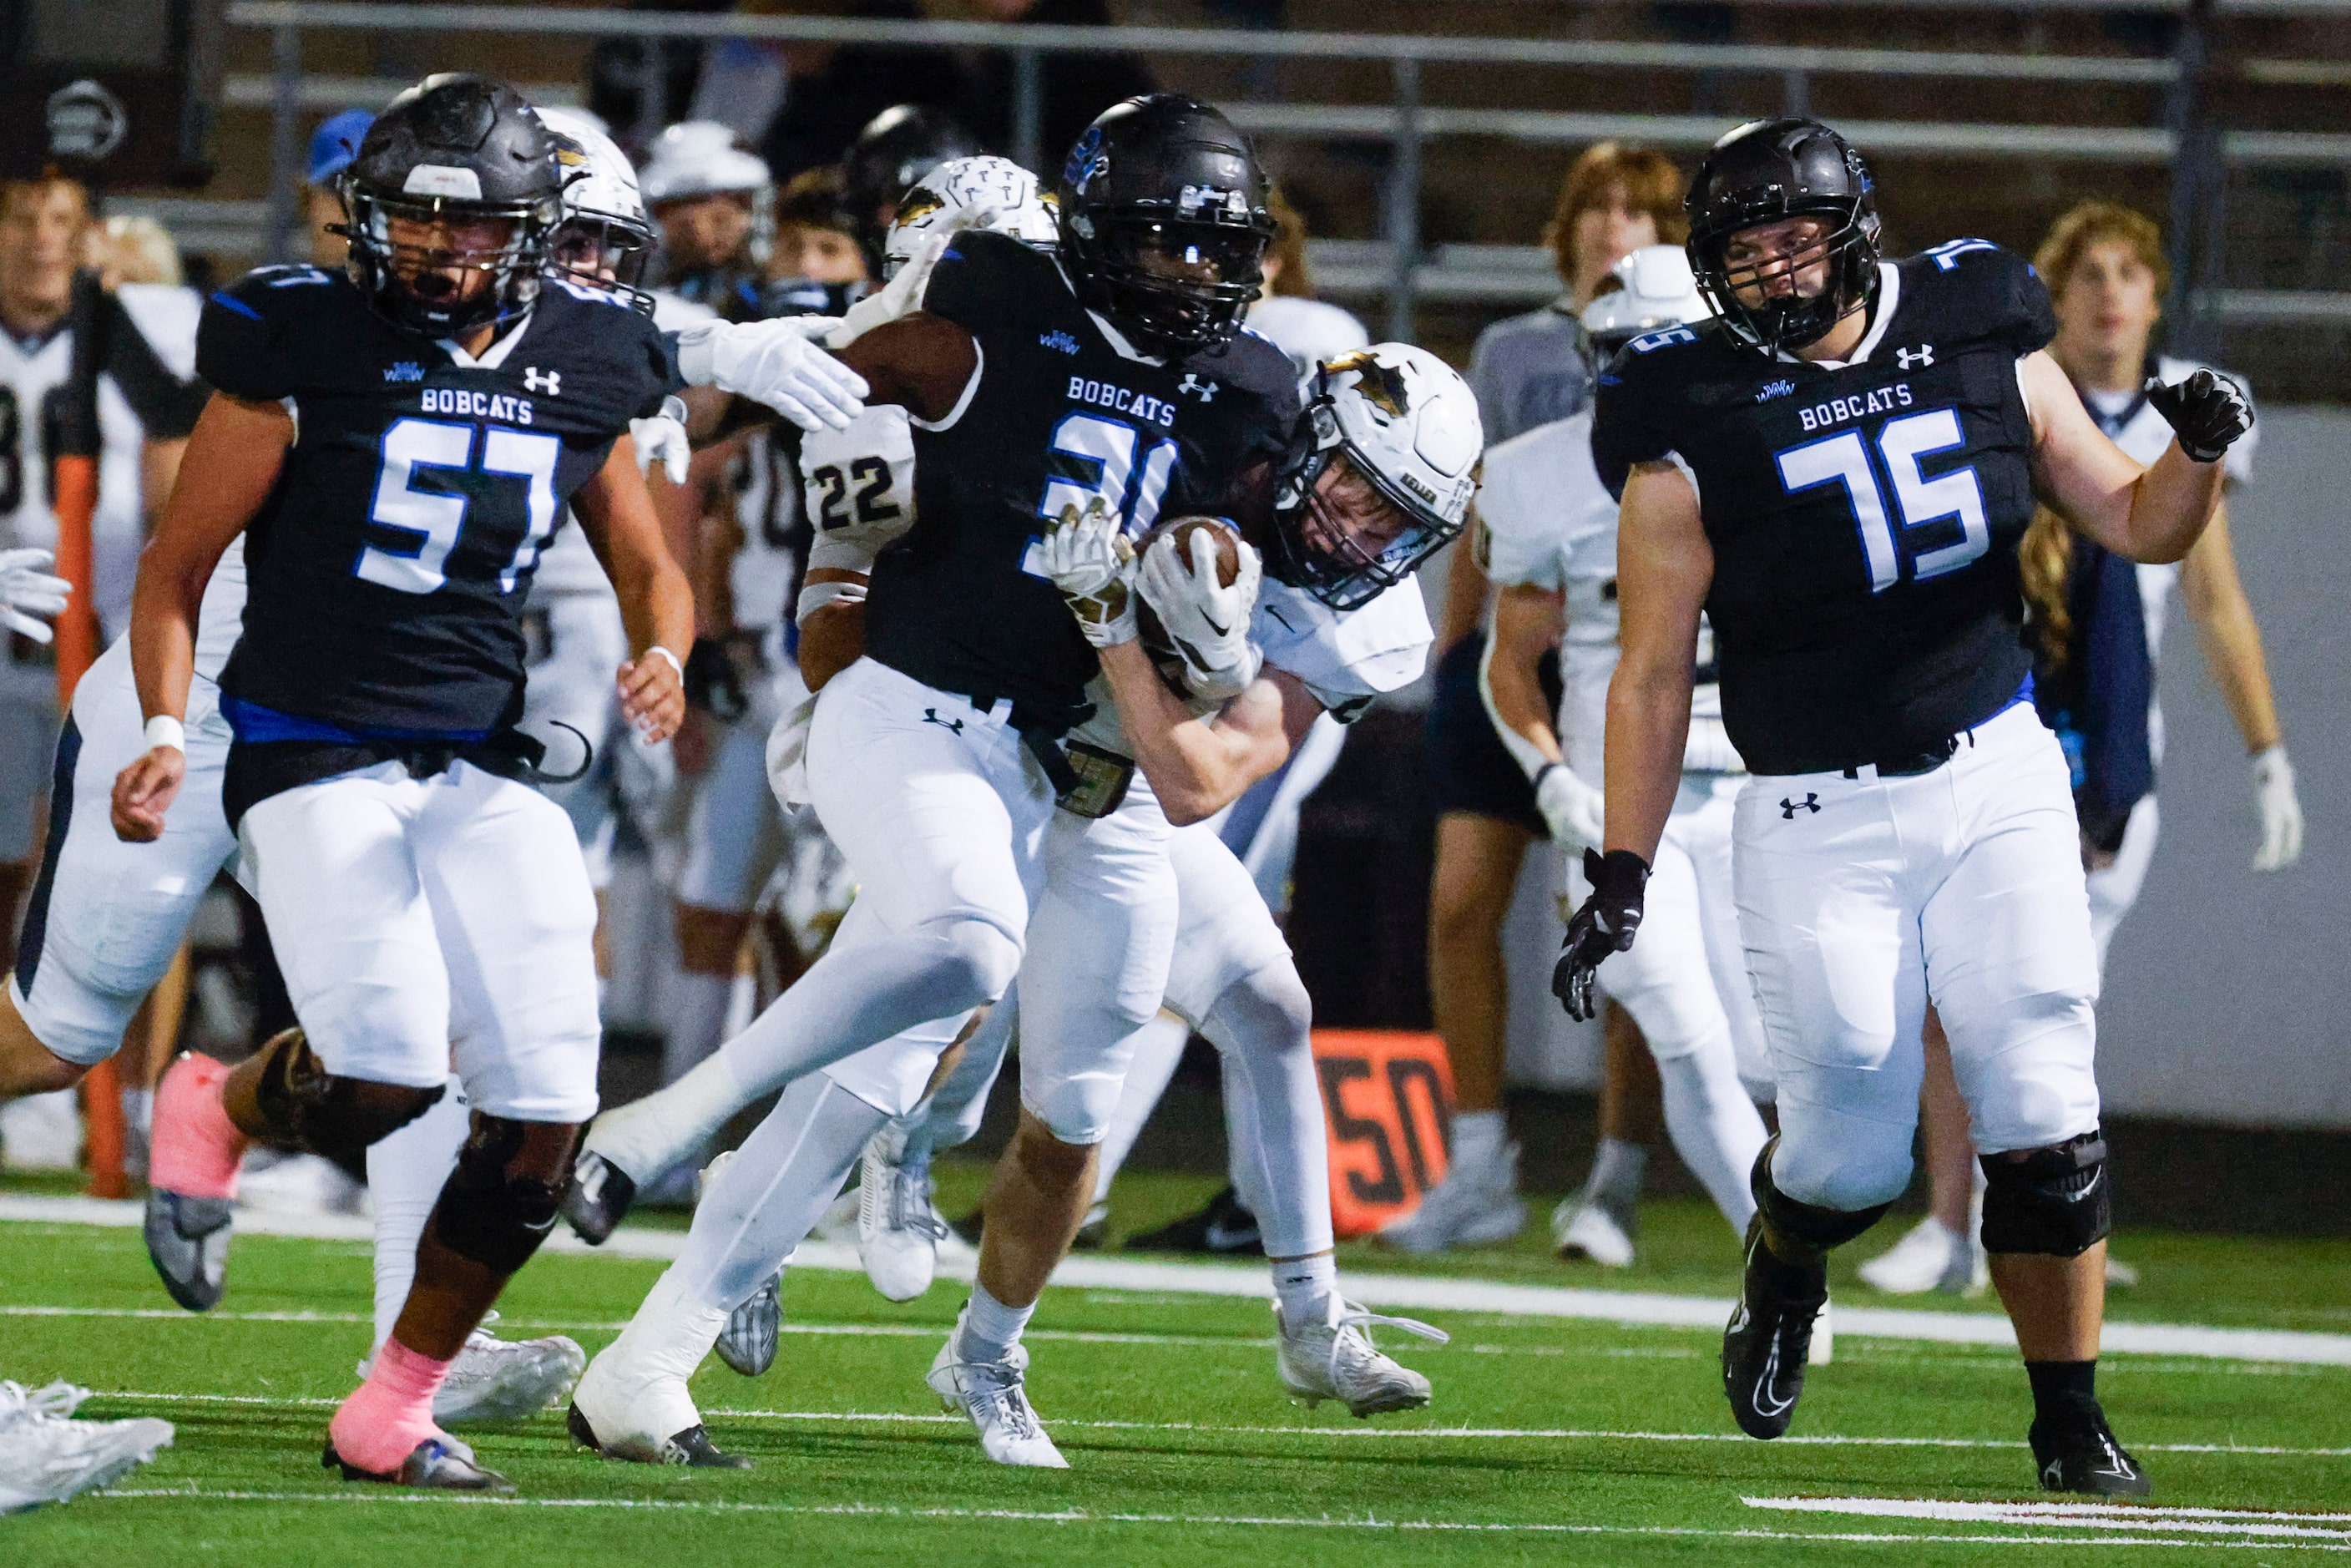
776, 362
28, 589
661, 439
787, 754
1575, 811
1090, 560
2280, 806
1208, 621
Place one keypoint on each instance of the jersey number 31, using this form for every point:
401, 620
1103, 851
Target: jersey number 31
1919, 502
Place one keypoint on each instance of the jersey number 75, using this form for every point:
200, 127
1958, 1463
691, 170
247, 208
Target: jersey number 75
1917, 501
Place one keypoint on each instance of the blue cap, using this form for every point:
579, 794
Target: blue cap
335, 145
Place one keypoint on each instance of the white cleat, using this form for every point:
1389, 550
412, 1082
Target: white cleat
41, 1132
632, 1403
898, 1231
45, 1455
1929, 1257
995, 1394
1473, 1205
1588, 1227
1335, 1359
505, 1379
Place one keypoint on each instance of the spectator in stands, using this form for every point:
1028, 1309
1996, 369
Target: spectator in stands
1076, 88
134, 250
333, 146
816, 237
834, 90
1527, 370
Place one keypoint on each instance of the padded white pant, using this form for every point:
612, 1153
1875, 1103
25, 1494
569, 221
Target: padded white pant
735, 834
1861, 899
415, 915
102, 926
29, 734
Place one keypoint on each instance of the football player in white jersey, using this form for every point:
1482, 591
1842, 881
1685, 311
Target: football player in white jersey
2105, 268
1350, 620
1549, 532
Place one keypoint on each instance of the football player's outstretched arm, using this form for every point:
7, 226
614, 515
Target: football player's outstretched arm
1198, 765
231, 464
656, 603
1664, 568
2151, 514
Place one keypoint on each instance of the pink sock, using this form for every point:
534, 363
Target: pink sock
194, 1146
386, 1416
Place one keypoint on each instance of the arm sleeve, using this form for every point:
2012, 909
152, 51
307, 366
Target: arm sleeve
244, 339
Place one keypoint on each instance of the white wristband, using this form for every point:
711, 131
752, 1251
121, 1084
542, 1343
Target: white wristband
165, 730
815, 596
673, 662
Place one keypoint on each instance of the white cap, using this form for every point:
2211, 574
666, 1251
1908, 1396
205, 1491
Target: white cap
699, 158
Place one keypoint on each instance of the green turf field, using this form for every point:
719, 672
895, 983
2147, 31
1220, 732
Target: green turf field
1552, 1441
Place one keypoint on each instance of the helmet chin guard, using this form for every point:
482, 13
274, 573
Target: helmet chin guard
1763, 172
1404, 422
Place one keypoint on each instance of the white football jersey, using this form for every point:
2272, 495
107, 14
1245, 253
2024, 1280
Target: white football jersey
1546, 521
1308, 330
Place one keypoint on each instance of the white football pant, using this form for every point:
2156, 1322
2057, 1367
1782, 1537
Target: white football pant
1861, 899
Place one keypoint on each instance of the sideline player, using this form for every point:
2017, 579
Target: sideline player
1548, 528
418, 892
1838, 470
2106, 267
715, 203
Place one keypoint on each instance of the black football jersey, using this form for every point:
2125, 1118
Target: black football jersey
1863, 517
387, 569
1056, 417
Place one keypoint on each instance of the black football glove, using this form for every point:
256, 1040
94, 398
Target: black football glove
2206, 412
1606, 924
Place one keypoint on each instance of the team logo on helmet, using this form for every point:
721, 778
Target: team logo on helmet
1087, 162
1382, 384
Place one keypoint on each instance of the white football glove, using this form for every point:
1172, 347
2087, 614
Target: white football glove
1574, 811
777, 363
661, 439
1208, 621
2281, 810
28, 589
1090, 560
787, 754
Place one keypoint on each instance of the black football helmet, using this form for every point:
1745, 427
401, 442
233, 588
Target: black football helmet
897, 147
467, 154
1165, 223
1763, 172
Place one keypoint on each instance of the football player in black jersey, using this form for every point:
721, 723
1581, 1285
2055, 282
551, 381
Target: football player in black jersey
1837, 470
398, 443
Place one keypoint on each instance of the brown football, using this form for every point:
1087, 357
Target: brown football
1155, 641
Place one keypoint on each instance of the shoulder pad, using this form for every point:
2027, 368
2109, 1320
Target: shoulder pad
1535, 498
1974, 289
245, 339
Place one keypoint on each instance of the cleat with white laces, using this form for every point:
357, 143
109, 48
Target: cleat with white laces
632, 1403
498, 1379
45, 1455
898, 1228
1334, 1359
1929, 1257
1474, 1206
1591, 1228
436, 1464
995, 1394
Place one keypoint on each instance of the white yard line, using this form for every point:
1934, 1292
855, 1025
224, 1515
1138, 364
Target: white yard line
1554, 1434
2262, 1526
1418, 1292
1258, 1521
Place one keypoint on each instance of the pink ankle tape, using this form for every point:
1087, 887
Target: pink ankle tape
386, 1416
195, 1148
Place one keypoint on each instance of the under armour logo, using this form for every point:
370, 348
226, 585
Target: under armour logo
1922, 356
1205, 390
1788, 808
538, 380
931, 716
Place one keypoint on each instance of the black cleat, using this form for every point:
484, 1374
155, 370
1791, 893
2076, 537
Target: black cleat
747, 1342
436, 1464
1768, 1337
692, 1446
597, 1198
1223, 1229
188, 1237
2082, 1455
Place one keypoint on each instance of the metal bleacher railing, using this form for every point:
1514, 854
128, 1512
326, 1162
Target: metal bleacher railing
1398, 266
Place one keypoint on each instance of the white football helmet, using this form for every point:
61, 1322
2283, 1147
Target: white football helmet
700, 158
982, 193
1656, 290
1406, 421
604, 237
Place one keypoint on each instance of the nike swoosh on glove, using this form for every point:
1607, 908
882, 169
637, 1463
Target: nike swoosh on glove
2207, 412
1208, 621
1606, 924
1090, 560
28, 589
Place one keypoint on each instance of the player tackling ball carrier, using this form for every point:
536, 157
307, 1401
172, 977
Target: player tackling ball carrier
1837, 471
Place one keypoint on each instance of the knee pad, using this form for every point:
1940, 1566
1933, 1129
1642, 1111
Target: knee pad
1801, 1233
2055, 1202
500, 1201
312, 1111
